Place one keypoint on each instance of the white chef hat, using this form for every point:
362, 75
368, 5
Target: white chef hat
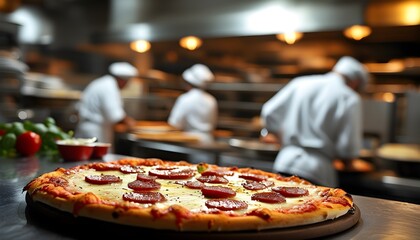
198, 75
353, 69
123, 69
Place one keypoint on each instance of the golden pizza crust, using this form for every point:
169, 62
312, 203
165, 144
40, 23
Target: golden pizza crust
196, 222
209, 222
56, 190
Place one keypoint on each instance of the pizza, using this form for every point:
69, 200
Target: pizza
181, 196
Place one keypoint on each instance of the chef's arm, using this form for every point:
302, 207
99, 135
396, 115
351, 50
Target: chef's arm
129, 122
125, 124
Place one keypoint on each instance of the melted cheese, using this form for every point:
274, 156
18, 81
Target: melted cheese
174, 193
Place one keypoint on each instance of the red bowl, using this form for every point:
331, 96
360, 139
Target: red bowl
72, 152
100, 150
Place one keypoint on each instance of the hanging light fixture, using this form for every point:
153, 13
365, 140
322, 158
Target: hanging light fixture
357, 32
140, 46
190, 42
289, 37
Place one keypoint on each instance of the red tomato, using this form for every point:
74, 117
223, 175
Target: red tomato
2, 132
28, 143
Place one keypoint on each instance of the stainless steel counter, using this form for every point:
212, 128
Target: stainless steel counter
380, 219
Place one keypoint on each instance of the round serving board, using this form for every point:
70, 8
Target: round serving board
52, 219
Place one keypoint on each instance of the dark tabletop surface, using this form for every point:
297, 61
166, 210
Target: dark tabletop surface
379, 218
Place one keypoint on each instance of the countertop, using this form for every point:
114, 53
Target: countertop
379, 219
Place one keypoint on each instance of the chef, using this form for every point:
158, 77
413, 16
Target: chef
318, 119
196, 110
101, 105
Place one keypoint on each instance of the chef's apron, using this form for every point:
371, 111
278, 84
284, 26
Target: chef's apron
307, 163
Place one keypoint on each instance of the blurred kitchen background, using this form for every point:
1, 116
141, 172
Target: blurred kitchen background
51, 49
67, 43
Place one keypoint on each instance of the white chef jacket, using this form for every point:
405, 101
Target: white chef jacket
100, 107
318, 119
195, 111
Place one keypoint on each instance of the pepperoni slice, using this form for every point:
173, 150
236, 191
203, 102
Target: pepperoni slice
172, 173
102, 179
253, 177
217, 192
212, 179
217, 172
268, 197
291, 191
145, 178
144, 197
253, 185
191, 184
226, 204
131, 169
144, 185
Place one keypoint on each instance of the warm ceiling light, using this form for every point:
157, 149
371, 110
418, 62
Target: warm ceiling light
289, 37
393, 13
388, 97
357, 32
190, 42
140, 46
411, 14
